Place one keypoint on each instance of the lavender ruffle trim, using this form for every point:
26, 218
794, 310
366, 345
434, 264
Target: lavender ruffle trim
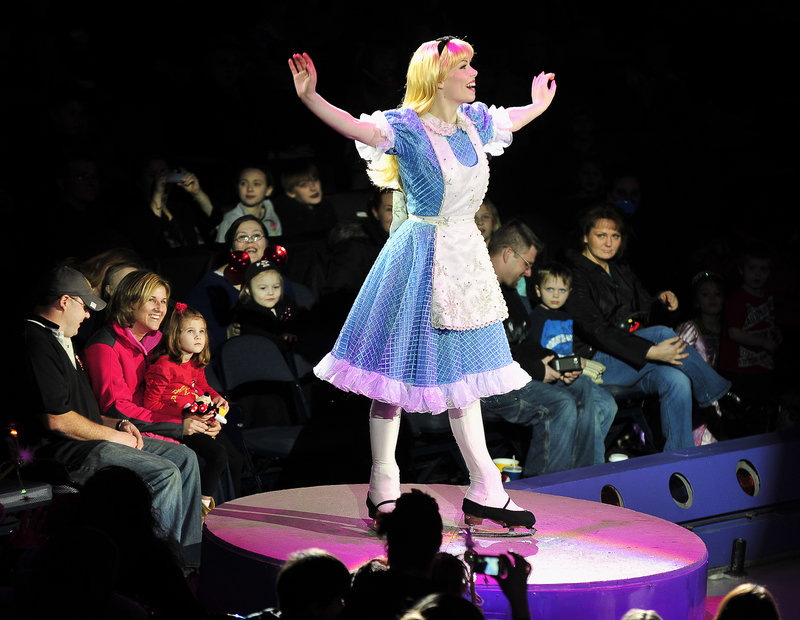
436, 399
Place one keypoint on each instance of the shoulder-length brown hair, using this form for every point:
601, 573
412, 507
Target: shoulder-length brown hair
172, 335
131, 292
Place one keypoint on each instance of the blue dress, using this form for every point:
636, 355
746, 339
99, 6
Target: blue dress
425, 332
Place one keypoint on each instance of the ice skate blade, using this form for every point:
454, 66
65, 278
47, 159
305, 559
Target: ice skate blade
518, 532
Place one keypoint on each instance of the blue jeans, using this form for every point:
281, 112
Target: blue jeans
170, 471
674, 385
562, 437
598, 408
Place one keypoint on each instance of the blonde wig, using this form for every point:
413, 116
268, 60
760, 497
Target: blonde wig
427, 69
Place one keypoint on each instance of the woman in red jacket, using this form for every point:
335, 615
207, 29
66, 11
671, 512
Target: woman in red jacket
117, 359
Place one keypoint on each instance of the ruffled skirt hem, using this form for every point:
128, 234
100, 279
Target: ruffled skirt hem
427, 399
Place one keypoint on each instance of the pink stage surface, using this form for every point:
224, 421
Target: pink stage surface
584, 555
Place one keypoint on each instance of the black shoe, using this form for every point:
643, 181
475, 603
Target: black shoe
372, 508
733, 407
474, 514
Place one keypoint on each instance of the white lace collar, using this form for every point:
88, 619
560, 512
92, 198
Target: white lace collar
442, 128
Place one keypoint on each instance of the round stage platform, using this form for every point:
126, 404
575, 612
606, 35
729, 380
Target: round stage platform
584, 555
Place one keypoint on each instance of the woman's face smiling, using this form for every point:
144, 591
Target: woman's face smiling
459, 85
602, 243
147, 317
256, 243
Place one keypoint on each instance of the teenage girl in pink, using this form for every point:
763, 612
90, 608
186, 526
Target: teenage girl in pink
176, 381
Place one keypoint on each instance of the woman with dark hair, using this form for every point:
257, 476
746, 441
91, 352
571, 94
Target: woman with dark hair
217, 293
615, 324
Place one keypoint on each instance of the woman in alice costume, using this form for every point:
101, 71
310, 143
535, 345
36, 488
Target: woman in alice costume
425, 333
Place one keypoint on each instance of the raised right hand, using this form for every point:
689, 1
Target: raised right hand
304, 74
669, 351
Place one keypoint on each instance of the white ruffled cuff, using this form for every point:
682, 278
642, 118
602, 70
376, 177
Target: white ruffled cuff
373, 153
502, 132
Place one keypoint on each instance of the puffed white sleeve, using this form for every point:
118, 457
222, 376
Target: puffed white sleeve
502, 131
373, 153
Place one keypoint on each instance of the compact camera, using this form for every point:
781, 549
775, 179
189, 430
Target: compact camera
568, 363
486, 564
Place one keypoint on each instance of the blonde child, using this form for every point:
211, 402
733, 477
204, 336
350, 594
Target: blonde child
176, 389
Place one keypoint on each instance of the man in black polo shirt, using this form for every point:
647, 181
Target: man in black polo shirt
65, 417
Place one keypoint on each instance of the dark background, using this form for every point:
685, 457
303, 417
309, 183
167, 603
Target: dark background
698, 100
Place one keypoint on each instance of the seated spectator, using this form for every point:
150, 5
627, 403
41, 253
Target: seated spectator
443, 606
413, 533
746, 602
104, 271
117, 360
614, 320
751, 336
116, 356
255, 186
641, 614
312, 585
307, 219
568, 414
149, 568
702, 332
70, 428
176, 390
264, 309
354, 247
81, 219
487, 218
303, 211
217, 293
164, 222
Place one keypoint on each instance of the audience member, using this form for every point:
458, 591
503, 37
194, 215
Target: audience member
568, 414
702, 332
614, 325
72, 430
443, 606
165, 222
748, 601
487, 218
78, 221
413, 533
116, 355
641, 614
255, 186
751, 336
354, 246
176, 390
217, 292
312, 585
264, 309
104, 271
307, 219
149, 569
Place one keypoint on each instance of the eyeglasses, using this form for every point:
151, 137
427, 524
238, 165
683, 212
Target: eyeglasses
443, 41
528, 264
248, 238
80, 301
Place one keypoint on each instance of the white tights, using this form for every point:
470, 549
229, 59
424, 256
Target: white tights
485, 483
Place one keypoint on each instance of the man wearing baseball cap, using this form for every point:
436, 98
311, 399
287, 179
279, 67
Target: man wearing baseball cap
65, 418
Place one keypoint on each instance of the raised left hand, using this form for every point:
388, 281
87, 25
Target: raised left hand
543, 89
190, 183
